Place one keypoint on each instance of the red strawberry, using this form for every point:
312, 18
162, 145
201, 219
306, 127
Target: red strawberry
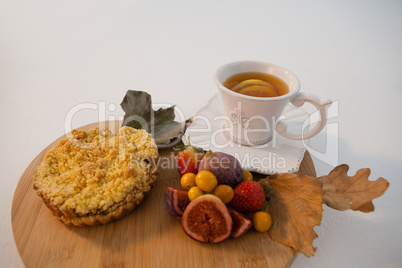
249, 196
188, 158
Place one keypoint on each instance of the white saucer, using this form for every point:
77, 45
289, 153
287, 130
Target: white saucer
277, 156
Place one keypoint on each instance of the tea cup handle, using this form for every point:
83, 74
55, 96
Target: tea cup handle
298, 100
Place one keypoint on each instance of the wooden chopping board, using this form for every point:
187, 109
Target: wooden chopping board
147, 237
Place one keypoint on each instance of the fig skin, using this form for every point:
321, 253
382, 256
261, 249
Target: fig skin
207, 219
226, 168
175, 201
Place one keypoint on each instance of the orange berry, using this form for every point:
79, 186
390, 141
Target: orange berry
262, 221
206, 181
194, 192
247, 176
187, 181
224, 192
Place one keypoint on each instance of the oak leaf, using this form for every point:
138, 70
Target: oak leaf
296, 207
342, 192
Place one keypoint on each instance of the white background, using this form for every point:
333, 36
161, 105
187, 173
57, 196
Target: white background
57, 54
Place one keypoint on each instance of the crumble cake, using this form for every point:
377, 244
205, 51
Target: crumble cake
95, 177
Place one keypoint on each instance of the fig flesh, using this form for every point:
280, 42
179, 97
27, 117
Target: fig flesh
175, 201
225, 167
207, 219
241, 224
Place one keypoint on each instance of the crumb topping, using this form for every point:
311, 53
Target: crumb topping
90, 172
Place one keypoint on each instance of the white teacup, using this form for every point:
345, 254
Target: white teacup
253, 120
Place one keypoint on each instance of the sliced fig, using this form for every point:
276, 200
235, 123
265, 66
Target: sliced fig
241, 224
225, 167
175, 201
207, 219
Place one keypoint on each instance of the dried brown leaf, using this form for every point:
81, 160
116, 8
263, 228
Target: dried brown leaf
356, 192
296, 207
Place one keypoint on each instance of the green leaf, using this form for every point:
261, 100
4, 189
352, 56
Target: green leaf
163, 115
266, 190
138, 106
139, 114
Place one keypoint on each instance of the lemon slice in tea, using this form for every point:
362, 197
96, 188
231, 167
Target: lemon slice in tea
259, 91
252, 82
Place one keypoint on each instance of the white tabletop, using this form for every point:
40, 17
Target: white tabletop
55, 55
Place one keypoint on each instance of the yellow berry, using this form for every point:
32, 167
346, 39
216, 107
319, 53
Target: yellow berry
224, 192
206, 181
262, 221
194, 192
247, 176
187, 181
